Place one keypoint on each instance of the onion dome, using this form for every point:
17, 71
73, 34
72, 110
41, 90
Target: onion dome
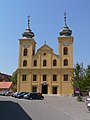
28, 33
65, 31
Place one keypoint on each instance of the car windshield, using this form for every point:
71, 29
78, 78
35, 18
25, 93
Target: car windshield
28, 93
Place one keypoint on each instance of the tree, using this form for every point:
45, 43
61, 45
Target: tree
78, 79
14, 80
87, 78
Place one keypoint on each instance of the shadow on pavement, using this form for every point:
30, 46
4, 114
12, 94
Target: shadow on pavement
12, 111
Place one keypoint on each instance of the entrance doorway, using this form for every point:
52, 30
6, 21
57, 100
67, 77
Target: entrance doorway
44, 89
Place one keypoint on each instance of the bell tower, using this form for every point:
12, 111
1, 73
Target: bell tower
26, 48
65, 46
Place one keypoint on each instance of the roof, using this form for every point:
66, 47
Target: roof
4, 77
45, 47
5, 84
28, 33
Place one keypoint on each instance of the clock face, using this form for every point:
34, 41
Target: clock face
65, 43
25, 45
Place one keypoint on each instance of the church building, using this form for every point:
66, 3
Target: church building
43, 70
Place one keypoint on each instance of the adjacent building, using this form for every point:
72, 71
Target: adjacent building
5, 82
43, 70
4, 77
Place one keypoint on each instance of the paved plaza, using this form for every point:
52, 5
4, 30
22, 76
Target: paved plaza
51, 108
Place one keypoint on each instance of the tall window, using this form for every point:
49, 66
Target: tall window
44, 63
54, 77
24, 77
34, 77
33, 52
35, 63
65, 51
44, 77
65, 62
25, 52
25, 63
65, 77
54, 62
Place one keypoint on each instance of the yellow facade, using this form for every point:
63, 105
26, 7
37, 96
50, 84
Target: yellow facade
43, 70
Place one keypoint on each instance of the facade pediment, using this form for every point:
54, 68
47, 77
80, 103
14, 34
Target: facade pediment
45, 48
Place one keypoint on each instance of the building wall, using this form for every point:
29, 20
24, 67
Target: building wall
46, 53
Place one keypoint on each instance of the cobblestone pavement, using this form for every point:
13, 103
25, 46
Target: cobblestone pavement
51, 108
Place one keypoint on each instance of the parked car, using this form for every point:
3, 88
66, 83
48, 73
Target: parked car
8, 93
34, 95
88, 106
3, 93
88, 99
15, 94
21, 94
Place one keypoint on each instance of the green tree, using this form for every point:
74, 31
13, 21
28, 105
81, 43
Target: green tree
14, 80
87, 78
78, 79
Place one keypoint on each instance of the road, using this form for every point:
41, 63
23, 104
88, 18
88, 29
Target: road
51, 108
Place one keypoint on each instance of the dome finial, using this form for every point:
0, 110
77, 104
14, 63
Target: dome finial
65, 31
28, 21
28, 33
65, 18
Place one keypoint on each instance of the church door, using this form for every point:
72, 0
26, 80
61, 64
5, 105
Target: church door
44, 89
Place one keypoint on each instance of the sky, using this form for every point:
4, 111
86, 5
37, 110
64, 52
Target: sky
46, 21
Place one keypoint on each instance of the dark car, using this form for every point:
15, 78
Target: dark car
34, 95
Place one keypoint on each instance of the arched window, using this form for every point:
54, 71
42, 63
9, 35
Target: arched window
65, 51
35, 63
33, 52
54, 62
25, 63
65, 62
44, 63
25, 52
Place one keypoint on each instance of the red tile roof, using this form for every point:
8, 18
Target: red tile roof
5, 84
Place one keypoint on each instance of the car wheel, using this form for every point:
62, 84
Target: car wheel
42, 98
30, 98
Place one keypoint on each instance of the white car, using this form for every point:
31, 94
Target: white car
87, 99
88, 106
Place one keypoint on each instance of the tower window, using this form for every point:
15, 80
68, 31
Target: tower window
33, 52
25, 52
25, 63
24, 77
35, 63
65, 50
65, 62
34, 77
54, 77
44, 77
66, 77
54, 62
44, 63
